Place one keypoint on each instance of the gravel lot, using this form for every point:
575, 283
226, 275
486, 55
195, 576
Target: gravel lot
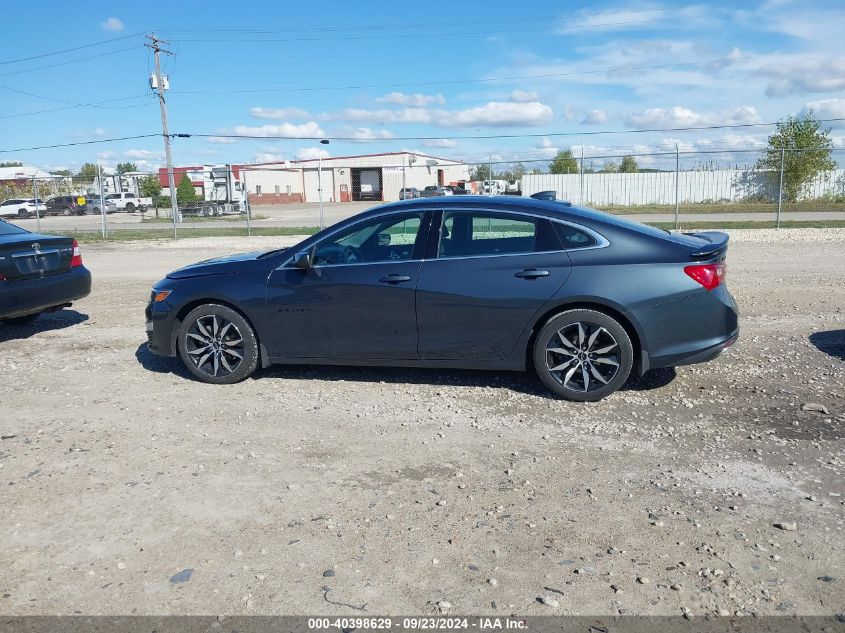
130, 488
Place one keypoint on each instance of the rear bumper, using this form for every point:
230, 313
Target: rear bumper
28, 296
693, 329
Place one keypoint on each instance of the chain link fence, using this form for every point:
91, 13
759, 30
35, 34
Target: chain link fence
672, 189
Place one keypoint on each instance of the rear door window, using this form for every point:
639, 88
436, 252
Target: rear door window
477, 234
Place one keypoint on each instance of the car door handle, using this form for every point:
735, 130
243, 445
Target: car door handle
394, 279
531, 273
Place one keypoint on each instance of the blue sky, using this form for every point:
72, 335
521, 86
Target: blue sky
445, 69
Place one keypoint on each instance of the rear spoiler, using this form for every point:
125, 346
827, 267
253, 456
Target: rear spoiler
718, 243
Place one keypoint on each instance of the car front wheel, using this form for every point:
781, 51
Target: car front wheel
583, 355
218, 345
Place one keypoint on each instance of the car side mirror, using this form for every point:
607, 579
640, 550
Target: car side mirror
303, 260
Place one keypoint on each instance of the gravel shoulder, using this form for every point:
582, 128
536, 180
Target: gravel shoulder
127, 487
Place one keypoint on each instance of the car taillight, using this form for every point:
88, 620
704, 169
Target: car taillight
708, 275
76, 260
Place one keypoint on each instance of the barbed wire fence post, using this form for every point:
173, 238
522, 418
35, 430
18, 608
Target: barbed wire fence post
677, 184
780, 186
581, 171
37, 210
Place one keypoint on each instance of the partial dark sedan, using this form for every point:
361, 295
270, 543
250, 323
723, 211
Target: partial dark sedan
38, 273
498, 283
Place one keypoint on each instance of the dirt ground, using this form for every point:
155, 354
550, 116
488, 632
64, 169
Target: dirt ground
128, 488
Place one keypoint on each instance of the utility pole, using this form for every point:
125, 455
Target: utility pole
155, 45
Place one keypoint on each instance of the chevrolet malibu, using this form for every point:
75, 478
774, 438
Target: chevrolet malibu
497, 283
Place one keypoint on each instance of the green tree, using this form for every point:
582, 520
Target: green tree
185, 193
88, 171
12, 163
564, 163
62, 172
122, 168
806, 152
150, 187
610, 167
480, 172
628, 165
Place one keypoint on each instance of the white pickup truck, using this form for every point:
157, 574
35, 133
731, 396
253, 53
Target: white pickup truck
129, 202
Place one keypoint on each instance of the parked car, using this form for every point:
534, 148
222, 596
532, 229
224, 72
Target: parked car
38, 273
435, 190
458, 191
407, 193
21, 207
93, 204
129, 202
502, 283
66, 205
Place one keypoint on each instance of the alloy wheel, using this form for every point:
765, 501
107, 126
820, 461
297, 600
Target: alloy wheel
215, 345
583, 356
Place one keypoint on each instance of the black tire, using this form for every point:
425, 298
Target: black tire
22, 320
67, 211
584, 376
218, 364
23, 213
130, 208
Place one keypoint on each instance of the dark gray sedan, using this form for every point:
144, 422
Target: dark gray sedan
499, 283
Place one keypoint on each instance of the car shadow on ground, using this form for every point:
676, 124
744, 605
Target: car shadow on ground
523, 382
161, 364
45, 323
831, 342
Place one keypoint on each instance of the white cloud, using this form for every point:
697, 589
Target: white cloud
802, 74
365, 134
268, 157
684, 117
106, 155
222, 140
415, 100
587, 21
825, 109
523, 96
283, 130
112, 24
143, 154
279, 113
311, 153
594, 117
492, 114
439, 142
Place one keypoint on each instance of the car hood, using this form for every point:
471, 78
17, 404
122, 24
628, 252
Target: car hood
216, 266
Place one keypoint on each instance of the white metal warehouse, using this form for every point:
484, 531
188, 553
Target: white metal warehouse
377, 177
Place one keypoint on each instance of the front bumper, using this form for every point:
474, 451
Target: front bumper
161, 325
30, 296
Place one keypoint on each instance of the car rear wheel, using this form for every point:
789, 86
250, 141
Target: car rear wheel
583, 355
130, 208
67, 211
218, 345
23, 213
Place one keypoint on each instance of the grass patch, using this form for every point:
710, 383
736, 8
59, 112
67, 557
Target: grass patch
211, 218
753, 224
130, 235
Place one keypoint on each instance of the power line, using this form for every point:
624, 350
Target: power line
68, 50
92, 142
92, 104
497, 136
455, 81
419, 138
70, 61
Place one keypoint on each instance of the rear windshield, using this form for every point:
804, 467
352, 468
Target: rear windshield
10, 229
686, 240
